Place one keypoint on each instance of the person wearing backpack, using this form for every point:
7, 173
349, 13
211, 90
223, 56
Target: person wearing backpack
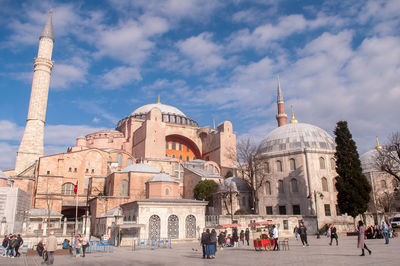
5, 245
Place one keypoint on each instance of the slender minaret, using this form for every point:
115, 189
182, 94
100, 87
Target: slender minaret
281, 117
31, 147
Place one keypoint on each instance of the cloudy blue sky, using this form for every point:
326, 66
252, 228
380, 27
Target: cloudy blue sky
337, 60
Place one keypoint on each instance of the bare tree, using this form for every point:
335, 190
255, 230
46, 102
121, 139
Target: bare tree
388, 158
251, 168
385, 202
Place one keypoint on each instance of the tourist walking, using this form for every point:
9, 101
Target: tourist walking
247, 236
85, 245
303, 234
203, 242
213, 243
221, 240
209, 247
275, 235
78, 243
40, 248
385, 231
242, 238
235, 237
296, 232
5, 246
333, 235
51, 246
361, 239
13, 243
20, 241
326, 228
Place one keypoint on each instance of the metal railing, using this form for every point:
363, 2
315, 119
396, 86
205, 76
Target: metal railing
152, 243
100, 246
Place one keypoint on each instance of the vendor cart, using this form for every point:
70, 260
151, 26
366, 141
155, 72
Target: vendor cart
262, 239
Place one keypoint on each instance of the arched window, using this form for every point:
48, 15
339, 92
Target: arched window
128, 162
279, 167
294, 186
292, 164
123, 188
267, 188
173, 227
321, 163
154, 226
68, 189
281, 189
190, 226
166, 191
383, 184
267, 170
119, 159
333, 164
324, 182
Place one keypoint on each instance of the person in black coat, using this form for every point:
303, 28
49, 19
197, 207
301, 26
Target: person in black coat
40, 248
20, 241
333, 235
247, 235
303, 234
235, 237
203, 242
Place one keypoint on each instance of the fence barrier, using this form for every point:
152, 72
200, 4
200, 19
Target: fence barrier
100, 246
152, 243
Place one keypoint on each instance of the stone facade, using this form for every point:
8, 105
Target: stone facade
14, 206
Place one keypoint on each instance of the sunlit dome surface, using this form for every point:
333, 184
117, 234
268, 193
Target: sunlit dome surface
368, 161
165, 109
296, 136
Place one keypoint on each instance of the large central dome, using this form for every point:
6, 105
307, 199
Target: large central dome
165, 109
296, 136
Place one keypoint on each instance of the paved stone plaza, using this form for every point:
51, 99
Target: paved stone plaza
318, 253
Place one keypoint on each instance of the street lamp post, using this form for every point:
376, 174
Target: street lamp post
316, 208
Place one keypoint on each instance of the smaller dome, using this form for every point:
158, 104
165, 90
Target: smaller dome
140, 168
162, 177
368, 161
165, 109
237, 184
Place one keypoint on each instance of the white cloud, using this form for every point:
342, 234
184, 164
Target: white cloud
8, 152
202, 52
120, 76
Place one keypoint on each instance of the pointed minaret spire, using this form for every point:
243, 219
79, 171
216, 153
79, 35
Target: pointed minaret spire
31, 147
214, 123
158, 99
48, 28
281, 117
378, 146
293, 120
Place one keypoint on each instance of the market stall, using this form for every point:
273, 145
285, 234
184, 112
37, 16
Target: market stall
262, 239
228, 237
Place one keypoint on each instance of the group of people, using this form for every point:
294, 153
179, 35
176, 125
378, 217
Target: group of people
11, 245
209, 243
378, 232
302, 232
228, 240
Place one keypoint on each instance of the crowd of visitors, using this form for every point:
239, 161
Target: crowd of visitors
11, 245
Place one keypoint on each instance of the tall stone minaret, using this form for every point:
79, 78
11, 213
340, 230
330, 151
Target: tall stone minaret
281, 117
31, 146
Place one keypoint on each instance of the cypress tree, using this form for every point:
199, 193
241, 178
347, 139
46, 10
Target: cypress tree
352, 186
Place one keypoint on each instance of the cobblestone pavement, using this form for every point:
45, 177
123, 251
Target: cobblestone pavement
318, 253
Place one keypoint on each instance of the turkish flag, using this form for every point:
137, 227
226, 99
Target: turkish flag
76, 187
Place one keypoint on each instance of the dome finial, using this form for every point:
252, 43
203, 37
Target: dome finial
293, 120
378, 147
158, 99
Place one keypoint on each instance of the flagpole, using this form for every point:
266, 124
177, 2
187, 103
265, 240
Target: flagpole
76, 207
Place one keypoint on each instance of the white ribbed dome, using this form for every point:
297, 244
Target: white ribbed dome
368, 161
296, 136
165, 109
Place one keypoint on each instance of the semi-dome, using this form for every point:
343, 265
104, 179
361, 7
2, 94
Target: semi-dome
162, 177
165, 109
296, 136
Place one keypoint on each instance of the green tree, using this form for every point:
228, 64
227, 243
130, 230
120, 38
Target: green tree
204, 190
352, 186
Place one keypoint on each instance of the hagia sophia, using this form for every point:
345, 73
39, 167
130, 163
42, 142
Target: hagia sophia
140, 176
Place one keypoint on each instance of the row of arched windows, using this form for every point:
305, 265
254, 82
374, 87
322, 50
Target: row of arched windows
172, 226
293, 166
119, 160
294, 187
